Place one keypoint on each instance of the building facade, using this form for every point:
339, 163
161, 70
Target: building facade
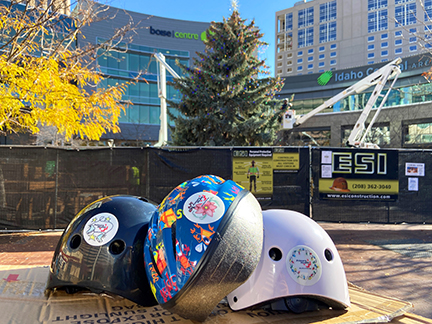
320, 35
175, 39
324, 47
405, 120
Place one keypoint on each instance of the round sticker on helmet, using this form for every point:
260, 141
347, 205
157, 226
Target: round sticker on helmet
304, 265
100, 229
204, 208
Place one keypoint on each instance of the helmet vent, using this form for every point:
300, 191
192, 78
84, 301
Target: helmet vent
174, 237
275, 254
117, 247
328, 255
75, 242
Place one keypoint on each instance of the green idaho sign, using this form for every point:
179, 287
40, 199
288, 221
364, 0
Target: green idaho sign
324, 78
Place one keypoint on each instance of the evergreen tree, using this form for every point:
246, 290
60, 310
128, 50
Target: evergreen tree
225, 101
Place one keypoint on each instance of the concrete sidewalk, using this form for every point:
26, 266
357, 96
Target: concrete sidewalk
389, 260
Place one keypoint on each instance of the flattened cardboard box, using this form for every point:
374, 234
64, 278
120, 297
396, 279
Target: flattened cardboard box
23, 300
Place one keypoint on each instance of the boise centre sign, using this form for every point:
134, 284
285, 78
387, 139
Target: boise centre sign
176, 34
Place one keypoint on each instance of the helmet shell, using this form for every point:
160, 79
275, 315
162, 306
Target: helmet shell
102, 249
298, 259
204, 241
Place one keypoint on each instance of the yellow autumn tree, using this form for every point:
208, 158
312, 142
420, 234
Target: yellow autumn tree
45, 80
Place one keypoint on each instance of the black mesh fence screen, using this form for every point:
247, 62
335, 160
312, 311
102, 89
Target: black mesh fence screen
44, 188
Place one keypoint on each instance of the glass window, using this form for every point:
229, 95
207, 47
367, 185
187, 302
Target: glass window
405, 14
321, 64
328, 11
370, 55
379, 134
305, 17
289, 21
384, 36
403, 1
310, 58
398, 33
371, 47
333, 46
333, 62
310, 51
327, 32
376, 4
333, 54
310, 66
384, 53
412, 39
418, 133
299, 53
413, 30
427, 10
299, 61
413, 48
154, 115
371, 38
377, 20
133, 90
305, 37
321, 56
398, 50
322, 48
133, 63
384, 44
299, 68
370, 62
398, 42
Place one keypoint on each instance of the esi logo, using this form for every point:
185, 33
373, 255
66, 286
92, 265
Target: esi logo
179, 35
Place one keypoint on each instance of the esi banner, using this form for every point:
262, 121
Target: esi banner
359, 175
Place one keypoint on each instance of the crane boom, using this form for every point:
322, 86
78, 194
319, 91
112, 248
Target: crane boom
162, 68
378, 79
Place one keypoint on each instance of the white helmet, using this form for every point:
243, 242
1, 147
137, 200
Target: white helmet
299, 270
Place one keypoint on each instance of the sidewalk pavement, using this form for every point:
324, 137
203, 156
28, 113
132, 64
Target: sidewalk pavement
389, 260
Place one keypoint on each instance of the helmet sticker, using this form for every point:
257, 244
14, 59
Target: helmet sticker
303, 265
204, 208
100, 229
203, 236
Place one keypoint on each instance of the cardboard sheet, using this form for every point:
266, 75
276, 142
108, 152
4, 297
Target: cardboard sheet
23, 300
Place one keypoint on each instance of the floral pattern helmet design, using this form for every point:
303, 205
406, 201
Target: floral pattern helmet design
204, 240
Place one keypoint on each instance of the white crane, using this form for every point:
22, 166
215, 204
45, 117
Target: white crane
378, 79
162, 67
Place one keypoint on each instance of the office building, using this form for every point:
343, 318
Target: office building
320, 35
324, 47
175, 39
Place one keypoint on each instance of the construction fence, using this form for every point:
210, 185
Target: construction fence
45, 187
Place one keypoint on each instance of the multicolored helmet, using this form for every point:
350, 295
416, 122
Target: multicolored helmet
300, 268
203, 242
101, 250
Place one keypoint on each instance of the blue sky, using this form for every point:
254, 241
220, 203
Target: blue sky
263, 11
